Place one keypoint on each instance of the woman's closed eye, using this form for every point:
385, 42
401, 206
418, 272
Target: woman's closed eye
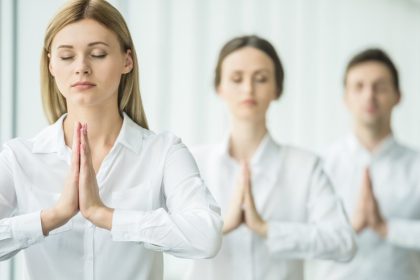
98, 55
261, 79
66, 57
236, 78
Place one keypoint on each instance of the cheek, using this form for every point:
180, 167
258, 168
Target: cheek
110, 73
59, 70
351, 102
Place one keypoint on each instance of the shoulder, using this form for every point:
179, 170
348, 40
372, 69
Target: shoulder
204, 151
20, 144
336, 148
21, 149
295, 160
163, 145
164, 139
298, 155
406, 155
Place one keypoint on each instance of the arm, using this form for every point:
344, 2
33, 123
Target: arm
16, 232
327, 233
404, 233
399, 232
190, 228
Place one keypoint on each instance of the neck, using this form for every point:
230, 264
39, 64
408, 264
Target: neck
245, 137
371, 136
103, 124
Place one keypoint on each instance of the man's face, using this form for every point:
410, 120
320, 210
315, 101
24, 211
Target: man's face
370, 93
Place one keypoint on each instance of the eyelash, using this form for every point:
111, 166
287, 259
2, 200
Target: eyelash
257, 79
261, 79
99, 56
93, 56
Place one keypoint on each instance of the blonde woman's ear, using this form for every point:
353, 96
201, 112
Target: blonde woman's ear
49, 65
128, 66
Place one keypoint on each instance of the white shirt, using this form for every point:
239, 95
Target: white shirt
152, 181
292, 193
395, 175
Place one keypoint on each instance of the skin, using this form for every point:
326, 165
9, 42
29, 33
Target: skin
87, 62
370, 96
247, 87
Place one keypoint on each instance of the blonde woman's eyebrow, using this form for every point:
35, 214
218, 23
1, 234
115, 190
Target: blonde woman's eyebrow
262, 70
98, 43
89, 45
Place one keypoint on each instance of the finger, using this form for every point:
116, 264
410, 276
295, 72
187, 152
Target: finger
364, 191
245, 171
87, 148
246, 180
249, 198
369, 191
83, 149
76, 149
368, 179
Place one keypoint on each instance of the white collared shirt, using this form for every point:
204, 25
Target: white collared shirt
161, 205
395, 175
292, 193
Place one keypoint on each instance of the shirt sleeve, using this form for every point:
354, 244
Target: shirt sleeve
16, 232
404, 233
190, 227
326, 233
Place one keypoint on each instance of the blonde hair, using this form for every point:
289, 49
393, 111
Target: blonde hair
129, 99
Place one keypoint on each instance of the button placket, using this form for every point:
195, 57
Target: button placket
89, 250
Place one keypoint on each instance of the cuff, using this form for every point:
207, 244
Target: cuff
399, 233
126, 225
27, 228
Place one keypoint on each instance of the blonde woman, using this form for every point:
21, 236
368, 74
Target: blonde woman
278, 205
96, 195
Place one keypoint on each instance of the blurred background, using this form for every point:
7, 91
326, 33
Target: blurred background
177, 43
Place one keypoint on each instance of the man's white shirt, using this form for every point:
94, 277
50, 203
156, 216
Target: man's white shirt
395, 175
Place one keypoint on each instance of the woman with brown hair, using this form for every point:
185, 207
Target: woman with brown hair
107, 207
278, 205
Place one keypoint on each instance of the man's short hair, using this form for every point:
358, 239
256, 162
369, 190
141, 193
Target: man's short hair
375, 55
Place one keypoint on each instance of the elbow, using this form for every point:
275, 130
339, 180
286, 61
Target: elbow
214, 245
349, 248
211, 245
6, 256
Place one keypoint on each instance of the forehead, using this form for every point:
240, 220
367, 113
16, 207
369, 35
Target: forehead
84, 32
247, 58
369, 71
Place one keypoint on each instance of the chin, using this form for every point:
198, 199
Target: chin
84, 100
250, 116
371, 122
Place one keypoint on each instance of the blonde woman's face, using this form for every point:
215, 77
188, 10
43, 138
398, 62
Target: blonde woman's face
87, 62
247, 83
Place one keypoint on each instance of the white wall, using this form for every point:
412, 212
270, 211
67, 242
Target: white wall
178, 41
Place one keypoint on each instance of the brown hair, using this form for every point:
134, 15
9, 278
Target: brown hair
375, 55
255, 42
129, 99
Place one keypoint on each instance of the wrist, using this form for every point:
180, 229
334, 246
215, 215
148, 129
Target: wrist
101, 216
262, 229
382, 229
227, 228
51, 219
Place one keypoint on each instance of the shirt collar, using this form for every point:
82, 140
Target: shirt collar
51, 139
263, 153
131, 134
386, 145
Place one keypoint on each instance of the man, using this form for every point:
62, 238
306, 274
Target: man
377, 178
